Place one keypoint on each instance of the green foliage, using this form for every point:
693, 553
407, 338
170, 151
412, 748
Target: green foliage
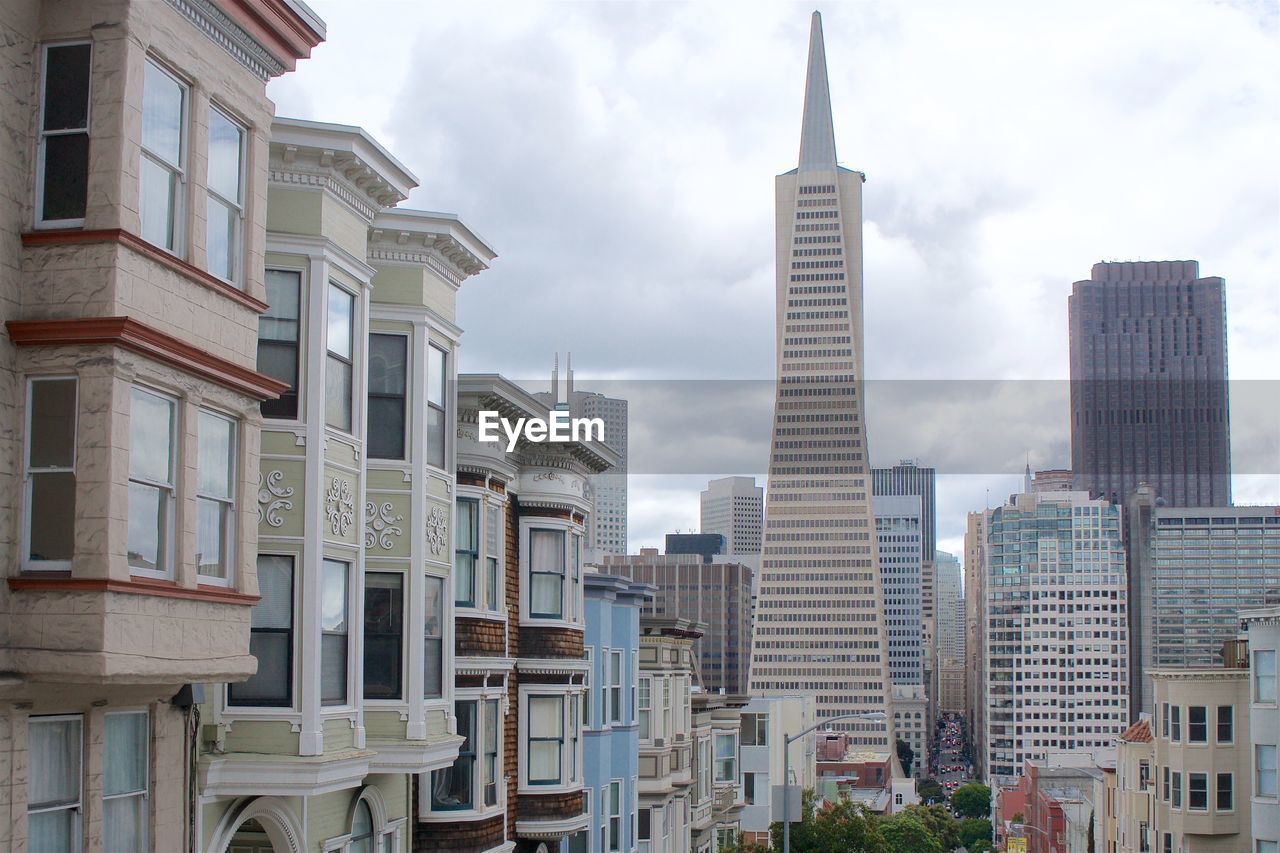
1017, 818
906, 833
931, 792
982, 845
972, 830
972, 800
741, 846
938, 821
842, 828
906, 755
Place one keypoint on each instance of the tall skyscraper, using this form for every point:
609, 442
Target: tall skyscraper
1191, 571
975, 597
898, 537
1057, 613
949, 635
1149, 383
607, 533
819, 622
734, 508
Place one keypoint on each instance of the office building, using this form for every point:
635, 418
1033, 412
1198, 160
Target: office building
734, 508
717, 595
1149, 383
909, 477
975, 599
819, 625
705, 545
1191, 571
899, 540
134, 178
950, 633
911, 723
1056, 622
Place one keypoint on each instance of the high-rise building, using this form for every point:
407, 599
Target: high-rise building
705, 545
607, 533
898, 537
819, 620
1191, 570
1057, 615
1149, 383
975, 596
714, 593
950, 633
734, 508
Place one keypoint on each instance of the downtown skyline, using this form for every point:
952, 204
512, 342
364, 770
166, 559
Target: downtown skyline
975, 230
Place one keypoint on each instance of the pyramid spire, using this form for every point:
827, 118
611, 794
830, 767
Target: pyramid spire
817, 132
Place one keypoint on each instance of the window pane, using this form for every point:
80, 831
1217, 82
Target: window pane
148, 524
341, 314
333, 601
212, 521
270, 684
435, 437
388, 363
66, 86
275, 586
546, 550
435, 375
52, 423
280, 322
337, 390
150, 437
333, 669
54, 761
433, 637
224, 156
546, 719
53, 511
545, 595
386, 427
51, 832
383, 634
124, 753
156, 202
221, 243
66, 176
162, 115
216, 439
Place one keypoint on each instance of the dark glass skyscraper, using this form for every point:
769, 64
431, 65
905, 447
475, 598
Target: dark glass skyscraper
1149, 383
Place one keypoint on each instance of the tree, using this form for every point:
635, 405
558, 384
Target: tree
982, 845
906, 755
972, 800
840, 828
906, 833
938, 821
931, 792
973, 830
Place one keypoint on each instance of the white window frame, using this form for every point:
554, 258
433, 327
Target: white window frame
588, 693
475, 591
446, 355
613, 819
168, 550
644, 700
231, 503
236, 238
1264, 685
617, 658
299, 344
1274, 771
38, 201
77, 808
716, 736
290, 708
571, 752
179, 169
351, 360
145, 793
493, 518
350, 564
29, 474
571, 585
478, 696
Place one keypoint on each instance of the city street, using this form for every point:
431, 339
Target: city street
950, 768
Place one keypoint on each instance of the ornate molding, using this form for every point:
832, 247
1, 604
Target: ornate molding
380, 525
352, 196
228, 35
429, 257
437, 529
272, 498
339, 506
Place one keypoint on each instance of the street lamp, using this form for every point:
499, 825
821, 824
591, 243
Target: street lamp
787, 740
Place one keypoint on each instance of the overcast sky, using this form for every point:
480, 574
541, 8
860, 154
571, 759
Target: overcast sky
620, 158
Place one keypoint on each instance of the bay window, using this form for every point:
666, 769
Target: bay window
270, 638
471, 782
726, 757
433, 639
124, 781
339, 358
493, 556
152, 441
50, 473
615, 686
491, 768
54, 772
225, 204
466, 551
388, 406
215, 497
334, 644
546, 571
62, 155
437, 415
383, 634
546, 740
644, 701
550, 754
278, 338
162, 166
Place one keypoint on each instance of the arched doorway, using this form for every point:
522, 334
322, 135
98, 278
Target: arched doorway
257, 825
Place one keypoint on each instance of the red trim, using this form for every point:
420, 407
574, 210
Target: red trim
134, 586
76, 236
274, 25
128, 333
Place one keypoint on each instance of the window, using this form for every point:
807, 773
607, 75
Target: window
270, 638
1226, 792
1226, 723
433, 638
1197, 724
383, 634
361, 829
546, 568
749, 788
491, 767
703, 780
53, 783
215, 497
1264, 675
726, 758
1268, 847
1265, 762
726, 836
615, 686
278, 330
124, 781
493, 556
1144, 838
152, 437
466, 551
1164, 719
1168, 843
645, 702
1144, 774
51, 473
333, 633
452, 788
755, 728
575, 570
388, 410
62, 164
163, 163
615, 816
546, 739
1176, 801
644, 825
588, 654
1165, 789
339, 359
1175, 731
1198, 791
225, 205
437, 421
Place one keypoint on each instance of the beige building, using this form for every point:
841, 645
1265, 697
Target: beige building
134, 172
1135, 791
975, 638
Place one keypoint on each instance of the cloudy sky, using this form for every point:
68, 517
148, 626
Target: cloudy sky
620, 158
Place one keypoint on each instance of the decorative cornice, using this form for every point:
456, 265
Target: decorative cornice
78, 236
136, 586
129, 334
428, 257
228, 35
342, 189
483, 666
552, 666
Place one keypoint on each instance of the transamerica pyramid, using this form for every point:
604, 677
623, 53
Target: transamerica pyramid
819, 624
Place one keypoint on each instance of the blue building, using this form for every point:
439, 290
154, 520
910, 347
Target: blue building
611, 750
